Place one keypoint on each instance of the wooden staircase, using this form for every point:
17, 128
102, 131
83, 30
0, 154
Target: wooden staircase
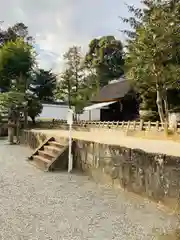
51, 155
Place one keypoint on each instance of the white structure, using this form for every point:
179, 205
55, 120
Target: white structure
55, 111
93, 115
60, 111
174, 118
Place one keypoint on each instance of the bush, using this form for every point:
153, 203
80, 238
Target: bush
149, 115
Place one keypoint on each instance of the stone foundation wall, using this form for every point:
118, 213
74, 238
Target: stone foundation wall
32, 139
155, 176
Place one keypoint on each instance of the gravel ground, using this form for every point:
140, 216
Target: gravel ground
38, 205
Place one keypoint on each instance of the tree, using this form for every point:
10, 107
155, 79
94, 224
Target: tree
86, 92
73, 60
71, 81
152, 53
43, 84
34, 108
105, 56
16, 62
64, 89
20, 84
19, 30
9, 38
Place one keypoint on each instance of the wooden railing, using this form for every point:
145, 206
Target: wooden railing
129, 126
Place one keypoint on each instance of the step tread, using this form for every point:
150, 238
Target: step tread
57, 143
41, 145
38, 157
46, 153
49, 147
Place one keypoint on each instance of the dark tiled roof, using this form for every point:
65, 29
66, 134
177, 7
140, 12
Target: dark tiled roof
113, 91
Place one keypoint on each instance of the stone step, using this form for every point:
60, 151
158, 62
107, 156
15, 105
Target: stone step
40, 162
52, 149
57, 144
47, 155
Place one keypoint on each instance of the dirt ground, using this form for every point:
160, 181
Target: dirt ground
112, 137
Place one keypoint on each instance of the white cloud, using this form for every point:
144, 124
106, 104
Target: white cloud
59, 24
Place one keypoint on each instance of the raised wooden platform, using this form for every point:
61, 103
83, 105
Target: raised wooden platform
51, 155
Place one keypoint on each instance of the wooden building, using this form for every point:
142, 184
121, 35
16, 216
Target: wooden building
117, 101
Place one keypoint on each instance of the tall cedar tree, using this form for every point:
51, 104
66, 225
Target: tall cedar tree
71, 80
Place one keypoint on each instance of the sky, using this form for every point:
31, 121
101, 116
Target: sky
56, 25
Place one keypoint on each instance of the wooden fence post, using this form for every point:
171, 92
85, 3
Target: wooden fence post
157, 125
175, 127
141, 125
134, 125
128, 125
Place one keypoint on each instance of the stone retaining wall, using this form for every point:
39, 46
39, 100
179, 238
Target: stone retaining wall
32, 139
155, 176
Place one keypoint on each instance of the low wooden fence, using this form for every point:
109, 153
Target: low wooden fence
126, 126
129, 126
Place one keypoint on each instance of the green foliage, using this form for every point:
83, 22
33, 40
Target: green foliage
43, 84
11, 98
105, 56
22, 101
16, 62
17, 74
15, 39
72, 81
8, 100
34, 108
17, 59
12, 33
65, 87
152, 59
150, 116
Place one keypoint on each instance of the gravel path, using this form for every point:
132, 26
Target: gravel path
37, 205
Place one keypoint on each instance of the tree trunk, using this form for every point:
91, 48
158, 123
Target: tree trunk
166, 121
10, 132
18, 126
33, 120
75, 116
159, 102
11, 124
25, 119
18, 132
69, 94
165, 100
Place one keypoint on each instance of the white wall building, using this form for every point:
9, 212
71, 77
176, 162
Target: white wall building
55, 111
60, 111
